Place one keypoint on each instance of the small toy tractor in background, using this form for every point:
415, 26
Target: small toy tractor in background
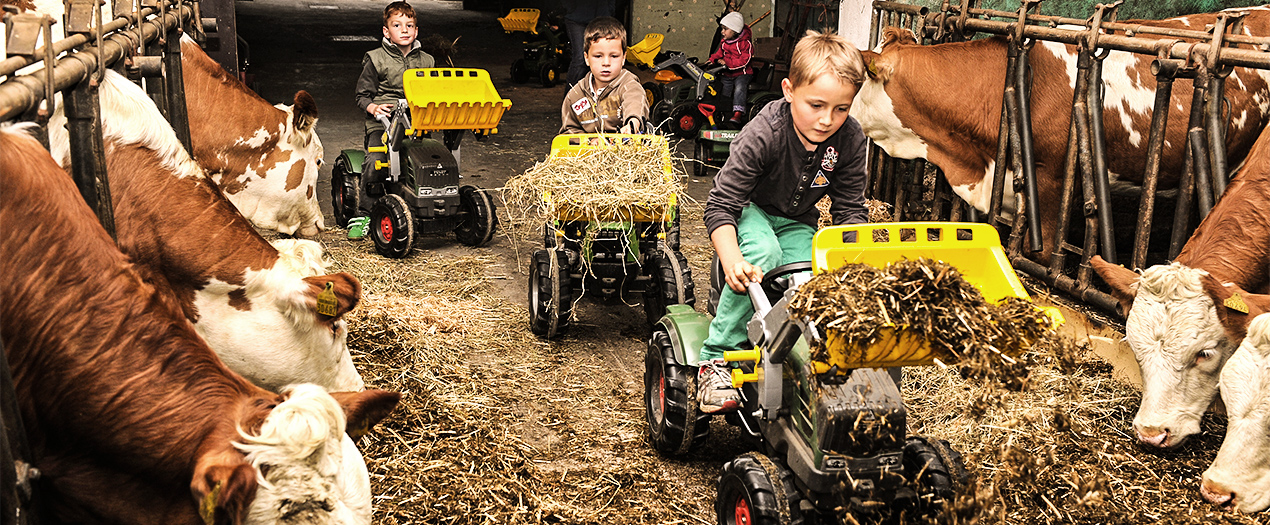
546, 48
637, 250
831, 435
418, 188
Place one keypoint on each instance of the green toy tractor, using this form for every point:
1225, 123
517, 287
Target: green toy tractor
831, 436
418, 188
546, 48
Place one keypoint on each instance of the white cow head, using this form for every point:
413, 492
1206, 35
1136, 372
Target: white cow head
1239, 477
308, 469
272, 333
1173, 330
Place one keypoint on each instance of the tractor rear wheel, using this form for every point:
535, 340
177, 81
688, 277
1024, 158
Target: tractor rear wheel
759, 104
550, 293
479, 217
392, 226
344, 192
685, 120
675, 423
754, 490
670, 282
652, 93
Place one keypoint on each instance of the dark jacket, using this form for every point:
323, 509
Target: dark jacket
769, 166
381, 78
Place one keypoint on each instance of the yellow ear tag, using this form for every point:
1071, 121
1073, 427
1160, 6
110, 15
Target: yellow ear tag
1236, 303
207, 507
326, 303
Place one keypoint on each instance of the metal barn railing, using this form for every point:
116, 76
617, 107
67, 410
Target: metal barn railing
1200, 55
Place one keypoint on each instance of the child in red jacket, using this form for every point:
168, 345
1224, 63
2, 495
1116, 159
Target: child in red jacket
735, 51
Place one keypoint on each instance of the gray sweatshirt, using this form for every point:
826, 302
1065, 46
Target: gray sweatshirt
769, 166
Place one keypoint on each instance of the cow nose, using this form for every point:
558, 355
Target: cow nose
1214, 493
1152, 436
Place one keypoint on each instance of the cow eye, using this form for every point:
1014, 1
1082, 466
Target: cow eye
320, 162
1205, 355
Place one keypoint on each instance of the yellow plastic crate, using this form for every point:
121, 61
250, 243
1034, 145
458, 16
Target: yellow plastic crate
453, 98
520, 20
645, 51
978, 255
573, 145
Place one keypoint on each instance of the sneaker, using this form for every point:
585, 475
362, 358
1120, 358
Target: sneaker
737, 117
714, 388
357, 227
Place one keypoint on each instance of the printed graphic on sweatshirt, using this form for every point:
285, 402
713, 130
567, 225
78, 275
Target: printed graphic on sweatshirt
580, 106
831, 159
820, 181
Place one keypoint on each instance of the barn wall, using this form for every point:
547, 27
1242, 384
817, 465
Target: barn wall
689, 25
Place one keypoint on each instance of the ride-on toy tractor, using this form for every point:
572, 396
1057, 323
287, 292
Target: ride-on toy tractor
831, 434
546, 48
418, 188
713, 145
680, 85
633, 250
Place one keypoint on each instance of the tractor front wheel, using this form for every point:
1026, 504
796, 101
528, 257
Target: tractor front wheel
521, 71
479, 217
344, 192
754, 490
935, 471
392, 226
685, 120
550, 293
547, 75
675, 423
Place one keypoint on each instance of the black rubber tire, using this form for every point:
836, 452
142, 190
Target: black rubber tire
670, 282
672, 232
675, 424
550, 293
935, 471
699, 154
717, 284
345, 192
659, 114
392, 226
547, 75
479, 219
685, 120
652, 93
755, 490
521, 71
759, 104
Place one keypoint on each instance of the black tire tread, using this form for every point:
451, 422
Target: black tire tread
671, 435
774, 497
395, 248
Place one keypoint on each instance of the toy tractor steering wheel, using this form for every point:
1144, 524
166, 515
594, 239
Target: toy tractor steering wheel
775, 282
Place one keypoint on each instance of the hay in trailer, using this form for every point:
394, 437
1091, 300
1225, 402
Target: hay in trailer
923, 296
608, 182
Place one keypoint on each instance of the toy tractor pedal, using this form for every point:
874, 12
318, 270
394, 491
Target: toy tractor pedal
418, 188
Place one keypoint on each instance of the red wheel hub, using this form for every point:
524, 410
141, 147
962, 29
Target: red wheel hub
687, 122
385, 227
742, 509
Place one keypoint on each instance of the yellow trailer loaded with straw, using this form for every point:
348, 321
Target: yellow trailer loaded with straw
610, 207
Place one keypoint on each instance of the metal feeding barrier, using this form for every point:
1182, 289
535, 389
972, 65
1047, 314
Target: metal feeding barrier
141, 39
1203, 56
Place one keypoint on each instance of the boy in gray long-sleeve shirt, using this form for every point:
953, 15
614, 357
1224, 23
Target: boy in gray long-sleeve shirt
762, 211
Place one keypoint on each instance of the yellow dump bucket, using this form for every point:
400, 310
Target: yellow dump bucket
453, 98
520, 20
577, 144
645, 51
973, 248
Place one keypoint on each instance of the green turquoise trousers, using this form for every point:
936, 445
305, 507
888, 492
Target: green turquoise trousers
767, 242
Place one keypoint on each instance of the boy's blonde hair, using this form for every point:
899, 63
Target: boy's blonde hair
825, 53
400, 8
601, 28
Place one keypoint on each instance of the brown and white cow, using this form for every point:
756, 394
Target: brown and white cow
1239, 477
943, 103
130, 417
254, 302
265, 158
1172, 326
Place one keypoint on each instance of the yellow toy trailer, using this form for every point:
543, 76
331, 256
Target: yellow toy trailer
636, 248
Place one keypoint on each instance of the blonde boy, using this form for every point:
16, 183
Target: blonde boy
608, 99
762, 212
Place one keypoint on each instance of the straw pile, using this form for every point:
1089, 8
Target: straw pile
878, 212
606, 182
927, 297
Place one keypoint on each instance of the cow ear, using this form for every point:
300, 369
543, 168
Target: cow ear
224, 488
344, 290
364, 409
304, 112
1229, 301
1123, 281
